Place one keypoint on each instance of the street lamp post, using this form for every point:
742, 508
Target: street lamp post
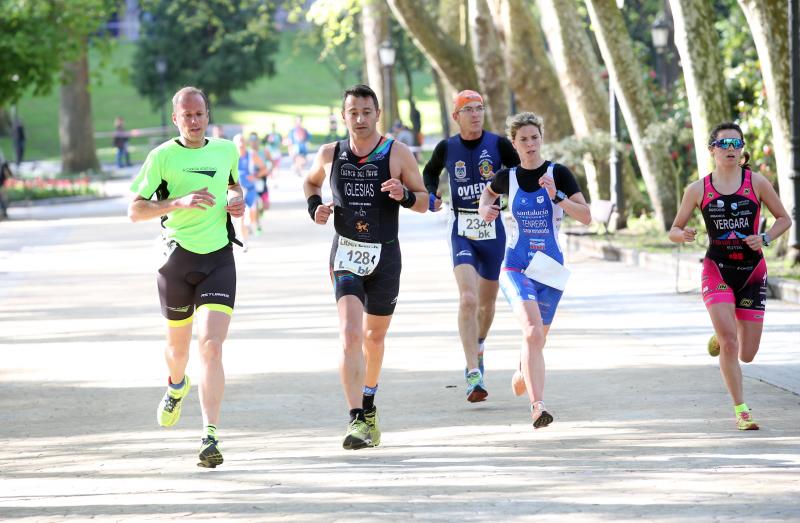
794, 100
614, 164
387, 54
660, 32
161, 69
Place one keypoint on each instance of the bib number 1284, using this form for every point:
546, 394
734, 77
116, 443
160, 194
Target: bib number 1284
357, 257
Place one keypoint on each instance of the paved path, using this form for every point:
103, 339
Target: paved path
643, 426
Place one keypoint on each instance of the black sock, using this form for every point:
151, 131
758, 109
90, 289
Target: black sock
357, 414
369, 401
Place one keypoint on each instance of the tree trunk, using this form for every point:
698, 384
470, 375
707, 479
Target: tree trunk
5, 122
375, 30
637, 108
453, 22
530, 72
698, 45
403, 65
75, 127
450, 59
442, 98
225, 99
769, 24
579, 74
486, 51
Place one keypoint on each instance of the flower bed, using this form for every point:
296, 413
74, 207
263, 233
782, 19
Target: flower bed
39, 188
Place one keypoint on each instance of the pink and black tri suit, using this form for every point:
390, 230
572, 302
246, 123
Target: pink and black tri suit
732, 271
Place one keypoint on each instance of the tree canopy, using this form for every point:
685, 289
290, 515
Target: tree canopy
216, 45
37, 37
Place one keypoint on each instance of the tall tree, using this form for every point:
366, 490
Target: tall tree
698, 45
578, 71
640, 115
768, 21
450, 58
486, 51
216, 45
452, 21
37, 38
531, 73
43, 42
75, 127
375, 31
337, 38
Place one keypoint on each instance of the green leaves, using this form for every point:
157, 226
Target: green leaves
216, 45
38, 36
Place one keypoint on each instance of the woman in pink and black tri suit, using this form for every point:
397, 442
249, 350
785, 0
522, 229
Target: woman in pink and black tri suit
734, 279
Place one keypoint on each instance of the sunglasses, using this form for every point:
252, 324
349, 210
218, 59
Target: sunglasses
727, 143
472, 109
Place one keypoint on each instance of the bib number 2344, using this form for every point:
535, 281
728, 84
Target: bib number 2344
471, 226
357, 257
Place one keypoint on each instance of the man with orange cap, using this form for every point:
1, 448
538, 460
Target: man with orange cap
471, 158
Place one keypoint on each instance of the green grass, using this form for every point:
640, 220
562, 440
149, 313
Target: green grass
301, 86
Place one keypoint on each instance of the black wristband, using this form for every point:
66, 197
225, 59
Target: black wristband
314, 201
409, 198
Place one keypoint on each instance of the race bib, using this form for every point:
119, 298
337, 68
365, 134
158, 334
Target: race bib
548, 271
471, 225
357, 257
162, 249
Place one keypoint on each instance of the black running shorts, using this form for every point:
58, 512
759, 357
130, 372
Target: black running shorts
188, 280
378, 290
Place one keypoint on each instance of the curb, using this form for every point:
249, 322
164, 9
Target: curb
58, 200
685, 266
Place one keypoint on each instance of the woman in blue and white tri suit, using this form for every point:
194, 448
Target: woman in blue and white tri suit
533, 274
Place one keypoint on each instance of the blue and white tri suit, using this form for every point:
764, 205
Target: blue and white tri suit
537, 221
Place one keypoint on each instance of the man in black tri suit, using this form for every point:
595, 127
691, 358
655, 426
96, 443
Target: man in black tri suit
371, 177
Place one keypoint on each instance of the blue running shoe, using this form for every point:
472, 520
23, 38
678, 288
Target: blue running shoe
476, 390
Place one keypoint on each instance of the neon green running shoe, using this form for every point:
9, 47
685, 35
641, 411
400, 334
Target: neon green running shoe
210, 454
169, 409
372, 422
745, 421
713, 346
476, 390
357, 436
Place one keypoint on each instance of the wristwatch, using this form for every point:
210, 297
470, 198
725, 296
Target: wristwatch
765, 239
560, 196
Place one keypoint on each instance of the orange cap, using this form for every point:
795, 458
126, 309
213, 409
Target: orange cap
465, 97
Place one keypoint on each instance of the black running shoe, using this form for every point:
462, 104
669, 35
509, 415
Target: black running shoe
210, 454
541, 418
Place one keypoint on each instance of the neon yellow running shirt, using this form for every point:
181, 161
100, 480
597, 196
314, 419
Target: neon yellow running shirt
172, 170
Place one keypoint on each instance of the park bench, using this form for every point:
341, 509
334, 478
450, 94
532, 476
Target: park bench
602, 211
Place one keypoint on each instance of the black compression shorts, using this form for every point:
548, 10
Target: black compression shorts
189, 280
378, 290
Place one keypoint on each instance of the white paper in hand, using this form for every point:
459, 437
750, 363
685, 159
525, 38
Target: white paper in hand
548, 271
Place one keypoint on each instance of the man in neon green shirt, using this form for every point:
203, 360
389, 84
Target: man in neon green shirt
196, 184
